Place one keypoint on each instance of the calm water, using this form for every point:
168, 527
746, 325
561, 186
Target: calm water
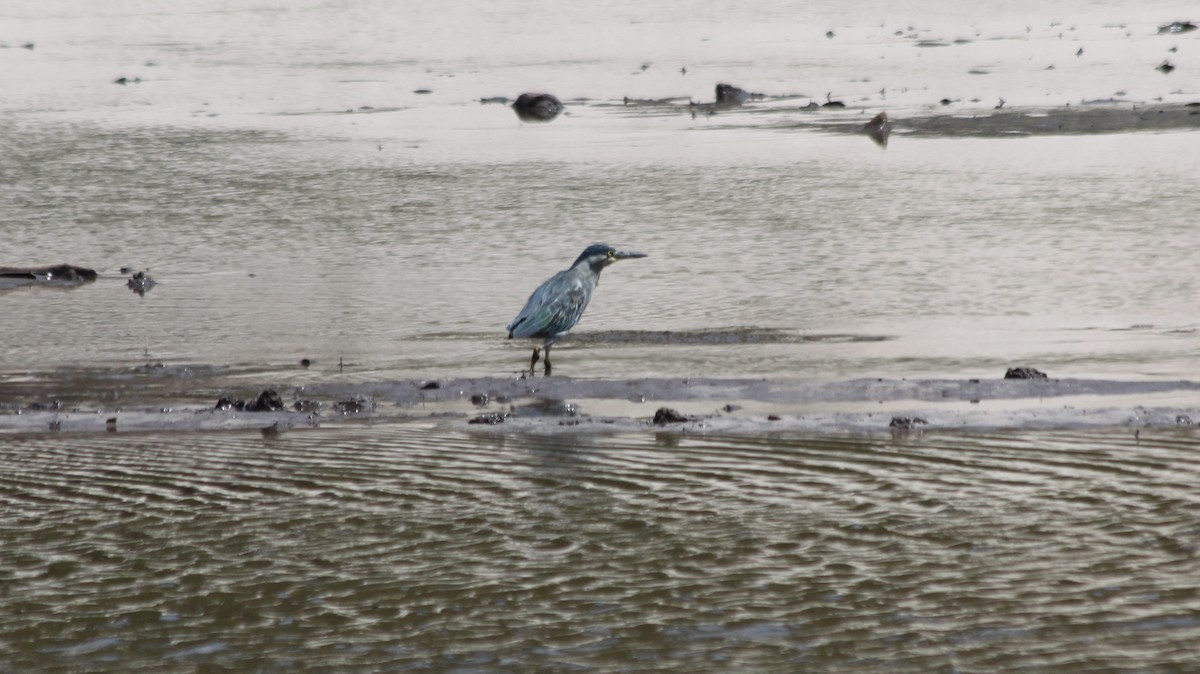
275, 171
392, 549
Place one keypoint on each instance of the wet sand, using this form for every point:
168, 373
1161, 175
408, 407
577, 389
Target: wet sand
175, 400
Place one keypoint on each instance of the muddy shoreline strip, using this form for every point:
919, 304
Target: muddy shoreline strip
565, 405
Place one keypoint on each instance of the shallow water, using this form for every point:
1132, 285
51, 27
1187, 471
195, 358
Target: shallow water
400, 239
401, 549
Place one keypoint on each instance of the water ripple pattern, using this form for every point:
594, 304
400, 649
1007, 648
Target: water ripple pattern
397, 549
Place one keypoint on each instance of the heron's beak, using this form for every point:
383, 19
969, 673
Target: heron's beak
625, 255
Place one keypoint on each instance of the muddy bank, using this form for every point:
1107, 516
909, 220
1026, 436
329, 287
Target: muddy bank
192, 402
1115, 117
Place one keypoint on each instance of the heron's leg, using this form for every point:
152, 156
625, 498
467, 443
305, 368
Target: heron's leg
547, 360
533, 361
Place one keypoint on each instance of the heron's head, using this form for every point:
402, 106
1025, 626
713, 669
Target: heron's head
600, 255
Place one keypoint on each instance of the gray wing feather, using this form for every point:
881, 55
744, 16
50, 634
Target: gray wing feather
554, 308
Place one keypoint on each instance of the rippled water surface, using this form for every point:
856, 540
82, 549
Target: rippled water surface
408, 549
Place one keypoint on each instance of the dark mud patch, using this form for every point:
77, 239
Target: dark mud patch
1015, 123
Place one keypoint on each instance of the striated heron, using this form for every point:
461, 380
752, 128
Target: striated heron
556, 306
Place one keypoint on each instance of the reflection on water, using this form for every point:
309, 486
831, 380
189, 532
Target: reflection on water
358, 549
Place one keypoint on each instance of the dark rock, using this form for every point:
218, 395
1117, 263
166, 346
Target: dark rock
830, 103
140, 283
727, 94
430, 386
480, 399
906, 423
489, 419
666, 415
731, 407
879, 129
267, 401
304, 362
537, 107
1176, 27
1165, 68
1024, 373
58, 275
224, 404
773, 417
422, 92
307, 406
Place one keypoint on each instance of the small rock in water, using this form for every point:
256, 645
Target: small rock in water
140, 283
879, 129
489, 419
1024, 373
1176, 27
1165, 68
537, 107
224, 404
906, 423
480, 400
429, 386
727, 94
666, 415
267, 401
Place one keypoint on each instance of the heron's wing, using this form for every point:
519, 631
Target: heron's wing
554, 308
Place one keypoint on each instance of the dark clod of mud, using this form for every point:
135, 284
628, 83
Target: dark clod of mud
906, 423
352, 406
1024, 373
727, 94
666, 415
1177, 27
266, 401
140, 283
307, 406
489, 419
879, 129
537, 107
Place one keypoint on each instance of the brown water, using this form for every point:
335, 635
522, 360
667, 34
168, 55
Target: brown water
406, 549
